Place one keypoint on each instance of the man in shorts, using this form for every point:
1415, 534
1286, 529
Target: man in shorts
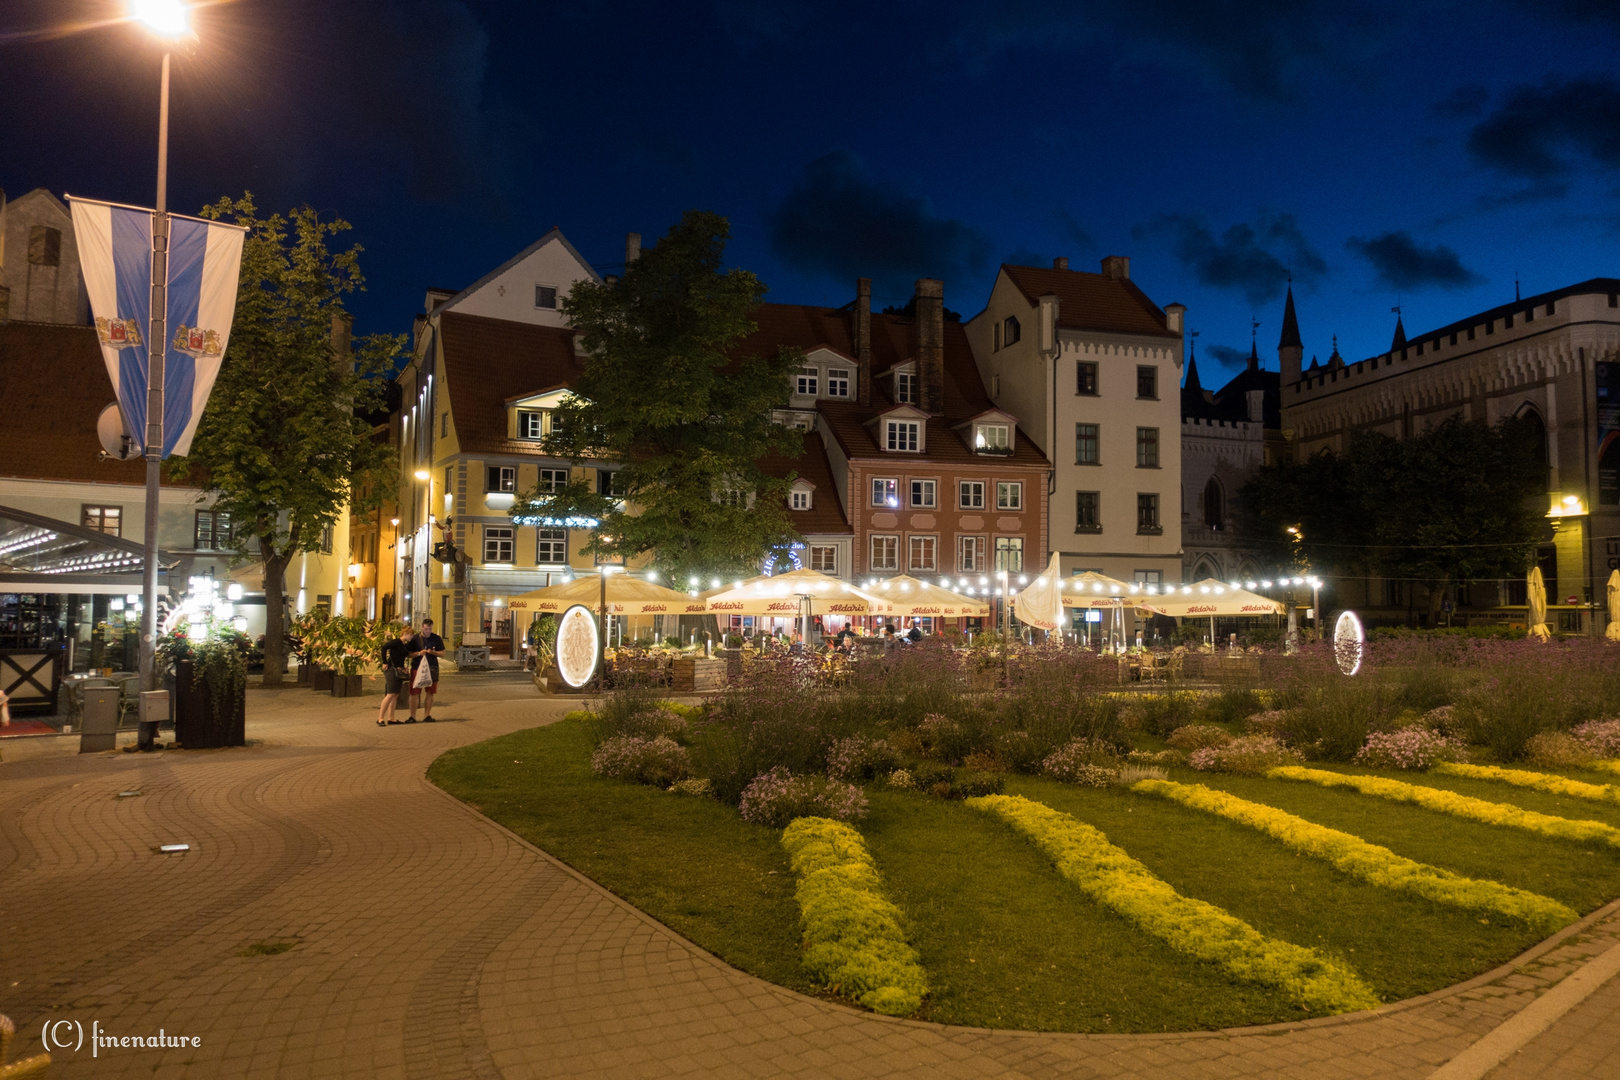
428, 648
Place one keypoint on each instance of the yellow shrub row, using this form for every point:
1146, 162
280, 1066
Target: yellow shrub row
1369, 862
853, 939
1611, 766
1556, 785
1449, 802
1106, 874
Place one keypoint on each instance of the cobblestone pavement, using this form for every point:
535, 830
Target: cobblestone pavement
430, 943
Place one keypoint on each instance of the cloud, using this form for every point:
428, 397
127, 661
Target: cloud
1540, 133
1401, 263
1227, 357
841, 223
1025, 257
1463, 102
1070, 229
1256, 47
1254, 259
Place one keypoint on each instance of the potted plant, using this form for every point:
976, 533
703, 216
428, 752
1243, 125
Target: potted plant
210, 686
349, 643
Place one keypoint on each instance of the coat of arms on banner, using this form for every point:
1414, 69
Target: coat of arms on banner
118, 333
196, 341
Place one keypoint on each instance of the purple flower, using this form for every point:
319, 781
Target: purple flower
1409, 748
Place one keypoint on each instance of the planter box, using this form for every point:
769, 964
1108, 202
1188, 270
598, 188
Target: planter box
695, 675
347, 685
733, 661
197, 725
304, 672
320, 680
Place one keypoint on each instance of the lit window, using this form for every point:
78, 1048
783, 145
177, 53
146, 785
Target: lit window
1085, 444
824, 559
1086, 517
970, 494
902, 435
214, 530
806, 383
500, 478
530, 425
1147, 448
970, 554
110, 519
885, 492
1010, 553
1085, 372
552, 547
885, 553
1010, 495
905, 388
837, 382
991, 438
498, 543
923, 494
545, 296
923, 552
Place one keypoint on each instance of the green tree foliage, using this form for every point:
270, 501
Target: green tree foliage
1457, 502
683, 421
284, 443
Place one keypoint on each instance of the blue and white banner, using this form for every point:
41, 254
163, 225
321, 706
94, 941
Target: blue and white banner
205, 259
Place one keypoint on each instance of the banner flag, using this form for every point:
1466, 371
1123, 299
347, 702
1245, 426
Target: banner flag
205, 259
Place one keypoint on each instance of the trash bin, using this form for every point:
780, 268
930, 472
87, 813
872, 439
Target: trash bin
99, 729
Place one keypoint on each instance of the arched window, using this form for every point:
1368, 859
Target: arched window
1535, 429
1206, 570
1214, 505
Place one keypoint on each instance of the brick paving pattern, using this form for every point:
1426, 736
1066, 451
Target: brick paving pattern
431, 943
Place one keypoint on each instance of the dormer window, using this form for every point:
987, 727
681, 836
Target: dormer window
531, 425
902, 435
806, 382
992, 439
838, 382
905, 390
799, 497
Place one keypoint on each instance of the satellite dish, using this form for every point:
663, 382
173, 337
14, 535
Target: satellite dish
110, 430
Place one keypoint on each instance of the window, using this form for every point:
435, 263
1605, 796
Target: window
902, 435
799, 499
1147, 514
1147, 381
1149, 577
1010, 553
545, 296
905, 388
104, 519
213, 530
531, 425
970, 494
1011, 332
326, 540
824, 559
734, 496
992, 439
323, 605
498, 543
885, 492
837, 382
609, 483
1214, 505
997, 346
551, 547
1010, 495
995, 386
1086, 517
923, 552
500, 478
1085, 378
970, 554
1147, 448
444, 425
44, 246
1085, 444
923, 494
553, 479
806, 381
885, 553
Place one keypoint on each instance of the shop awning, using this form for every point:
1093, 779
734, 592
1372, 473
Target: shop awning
43, 555
1210, 597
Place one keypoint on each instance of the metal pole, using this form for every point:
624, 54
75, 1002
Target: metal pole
156, 345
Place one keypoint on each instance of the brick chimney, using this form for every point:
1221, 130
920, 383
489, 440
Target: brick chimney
928, 335
1060, 263
632, 248
863, 340
1117, 267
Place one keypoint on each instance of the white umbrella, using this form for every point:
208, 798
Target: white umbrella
1040, 604
914, 598
1613, 632
1536, 615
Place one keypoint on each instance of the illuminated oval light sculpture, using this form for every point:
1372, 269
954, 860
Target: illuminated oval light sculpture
578, 649
1349, 642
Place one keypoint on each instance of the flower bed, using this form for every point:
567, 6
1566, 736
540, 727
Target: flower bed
854, 942
1111, 877
778, 797
1602, 737
1251, 755
1369, 862
1553, 785
1409, 748
1449, 802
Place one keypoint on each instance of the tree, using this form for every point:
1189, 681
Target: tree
1457, 502
284, 443
679, 419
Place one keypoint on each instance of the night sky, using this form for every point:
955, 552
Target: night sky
1414, 153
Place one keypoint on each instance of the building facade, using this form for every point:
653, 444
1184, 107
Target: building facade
40, 280
1089, 357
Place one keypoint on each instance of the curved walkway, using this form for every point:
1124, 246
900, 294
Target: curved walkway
428, 942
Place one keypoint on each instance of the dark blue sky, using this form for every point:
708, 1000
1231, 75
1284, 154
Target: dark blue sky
1411, 152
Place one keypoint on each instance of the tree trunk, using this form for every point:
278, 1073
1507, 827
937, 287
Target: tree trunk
275, 612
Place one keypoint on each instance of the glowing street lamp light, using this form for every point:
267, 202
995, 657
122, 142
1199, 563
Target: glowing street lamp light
165, 18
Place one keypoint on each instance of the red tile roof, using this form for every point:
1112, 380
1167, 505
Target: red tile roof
1092, 301
489, 362
826, 513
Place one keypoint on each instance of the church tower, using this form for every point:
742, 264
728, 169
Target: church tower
1290, 350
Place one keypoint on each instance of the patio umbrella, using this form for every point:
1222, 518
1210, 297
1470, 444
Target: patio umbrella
1613, 632
915, 598
1209, 597
626, 595
1536, 615
785, 597
1040, 604
1096, 590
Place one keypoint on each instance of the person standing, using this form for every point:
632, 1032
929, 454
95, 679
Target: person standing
428, 648
395, 660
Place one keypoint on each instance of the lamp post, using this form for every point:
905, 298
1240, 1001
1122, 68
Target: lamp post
166, 19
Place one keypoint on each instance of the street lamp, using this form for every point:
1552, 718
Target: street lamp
167, 19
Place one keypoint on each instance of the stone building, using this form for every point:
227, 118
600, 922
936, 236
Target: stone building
40, 279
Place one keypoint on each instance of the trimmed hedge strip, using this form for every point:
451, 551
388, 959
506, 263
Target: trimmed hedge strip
1369, 862
1556, 785
1106, 874
1611, 766
1449, 802
853, 939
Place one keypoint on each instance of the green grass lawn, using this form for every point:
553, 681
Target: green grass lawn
1007, 943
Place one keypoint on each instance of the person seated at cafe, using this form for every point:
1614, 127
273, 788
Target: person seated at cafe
915, 634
